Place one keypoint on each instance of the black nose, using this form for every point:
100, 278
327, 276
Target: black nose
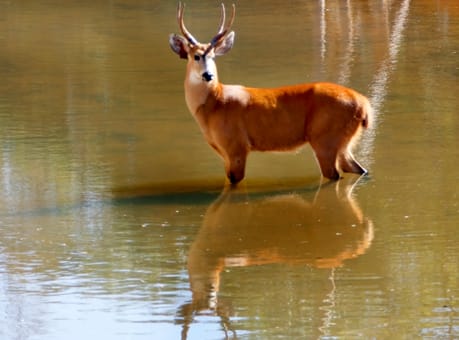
207, 76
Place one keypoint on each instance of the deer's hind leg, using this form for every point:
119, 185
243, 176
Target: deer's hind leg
348, 163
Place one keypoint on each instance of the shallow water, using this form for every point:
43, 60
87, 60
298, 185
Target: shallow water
115, 220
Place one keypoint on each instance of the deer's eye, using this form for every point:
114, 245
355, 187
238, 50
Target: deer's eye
196, 57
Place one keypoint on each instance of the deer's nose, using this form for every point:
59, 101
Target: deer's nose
207, 76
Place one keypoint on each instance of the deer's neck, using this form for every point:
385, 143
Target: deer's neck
198, 92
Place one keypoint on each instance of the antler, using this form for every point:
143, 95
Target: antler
222, 19
222, 31
185, 32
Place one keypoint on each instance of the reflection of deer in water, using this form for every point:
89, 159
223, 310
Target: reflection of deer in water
277, 228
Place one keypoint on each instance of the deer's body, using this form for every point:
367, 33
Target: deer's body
236, 119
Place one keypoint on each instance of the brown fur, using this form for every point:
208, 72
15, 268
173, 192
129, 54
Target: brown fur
328, 116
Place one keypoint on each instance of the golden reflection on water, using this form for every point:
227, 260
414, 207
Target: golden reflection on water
322, 231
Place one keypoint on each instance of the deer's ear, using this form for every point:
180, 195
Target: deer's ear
179, 45
225, 44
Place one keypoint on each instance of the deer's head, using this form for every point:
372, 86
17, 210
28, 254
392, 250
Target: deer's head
201, 64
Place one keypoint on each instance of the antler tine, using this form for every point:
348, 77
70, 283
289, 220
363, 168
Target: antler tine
185, 32
222, 32
233, 13
222, 19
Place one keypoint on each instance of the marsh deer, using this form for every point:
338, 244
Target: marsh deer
236, 119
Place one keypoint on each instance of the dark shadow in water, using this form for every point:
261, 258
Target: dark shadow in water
321, 230
167, 188
197, 192
205, 191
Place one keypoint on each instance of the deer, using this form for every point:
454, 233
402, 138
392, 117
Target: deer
236, 120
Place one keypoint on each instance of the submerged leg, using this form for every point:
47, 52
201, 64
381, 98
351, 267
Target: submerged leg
235, 167
348, 163
327, 162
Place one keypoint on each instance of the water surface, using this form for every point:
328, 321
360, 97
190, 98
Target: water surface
115, 220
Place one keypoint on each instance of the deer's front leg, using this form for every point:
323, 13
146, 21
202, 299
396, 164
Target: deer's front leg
235, 159
235, 166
